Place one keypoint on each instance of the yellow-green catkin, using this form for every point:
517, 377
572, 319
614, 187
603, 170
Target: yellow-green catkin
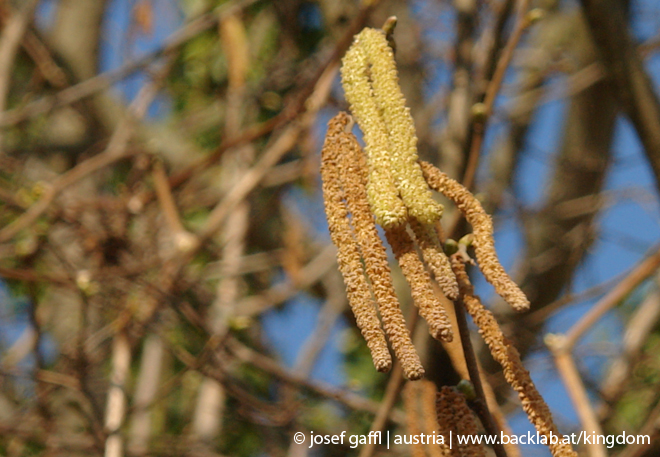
371, 85
419, 280
352, 161
384, 198
484, 244
348, 255
508, 357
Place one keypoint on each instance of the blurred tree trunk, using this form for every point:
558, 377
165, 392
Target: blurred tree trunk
75, 37
561, 232
608, 24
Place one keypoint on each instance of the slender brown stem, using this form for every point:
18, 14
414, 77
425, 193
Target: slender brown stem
391, 395
480, 403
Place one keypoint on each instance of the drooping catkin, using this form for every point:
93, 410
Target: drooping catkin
370, 82
348, 255
409, 394
508, 357
383, 195
352, 162
419, 404
484, 244
430, 419
455, 415
419, 280
435, 257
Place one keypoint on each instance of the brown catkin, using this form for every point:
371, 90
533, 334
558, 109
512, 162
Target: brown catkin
348, 255
455, 415
430, 420
410, 393
420, 283
438, 262
484, 244
508, 357
419, 405
353, 178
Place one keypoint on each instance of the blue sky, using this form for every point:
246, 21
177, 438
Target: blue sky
618, 247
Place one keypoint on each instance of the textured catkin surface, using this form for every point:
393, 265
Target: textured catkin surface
353, 176
348, 254
419, 280
429, 243
508, 357
430, 419
409, 394
371, 85
455, 415
383, 194
484, 244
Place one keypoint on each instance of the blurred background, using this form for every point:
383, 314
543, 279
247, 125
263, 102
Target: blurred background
167, 282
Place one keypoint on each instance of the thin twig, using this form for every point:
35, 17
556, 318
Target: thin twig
103, 81
115, 150
391, 395
10, 40
116, 406
562, 347
39, 54
650, 428
145, 393
481, 403
182, 237
268, 159
572, 380
609, 301
638, 329
492, 90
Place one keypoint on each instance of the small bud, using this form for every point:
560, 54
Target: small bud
135, 204
389, 25
479, 112
39, 189
240, 322
535, 15
467, 389
85, 283
466, 240
451, 247
185, 241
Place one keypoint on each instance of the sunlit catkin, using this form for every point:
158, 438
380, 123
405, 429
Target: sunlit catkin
419, 405
430, 419
454, 415
387, 206
429, 245
348, 255
410, 395
484, 244
420, 283
353, 176
508, 357
371, 85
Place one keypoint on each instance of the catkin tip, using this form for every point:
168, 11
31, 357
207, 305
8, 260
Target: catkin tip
484, 244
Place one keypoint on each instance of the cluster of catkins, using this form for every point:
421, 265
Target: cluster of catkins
437, 415
386, 184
